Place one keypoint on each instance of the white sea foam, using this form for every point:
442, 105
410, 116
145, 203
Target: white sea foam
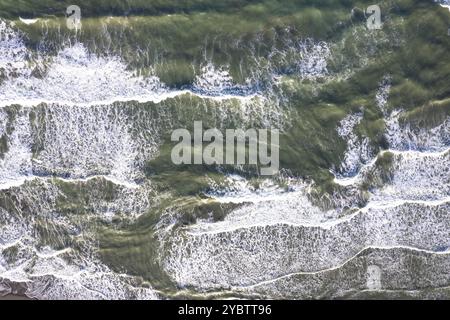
224, 257
28, 21
444, 3
79, 132
382, 94
267, 205
15, 165
275, 231
74, 143
214, 81
285, 233
386, 270
77, 77
407, 137
358, 150
313, 59
67, 273
13, 60
80, 142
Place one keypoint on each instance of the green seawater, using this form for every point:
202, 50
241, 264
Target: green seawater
89, 189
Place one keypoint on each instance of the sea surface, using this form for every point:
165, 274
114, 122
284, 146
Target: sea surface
91, 206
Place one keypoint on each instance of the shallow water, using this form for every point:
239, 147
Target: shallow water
92, 208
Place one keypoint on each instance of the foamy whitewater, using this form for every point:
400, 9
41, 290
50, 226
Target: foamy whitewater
289, 244
71, 127
444, 3
76, 77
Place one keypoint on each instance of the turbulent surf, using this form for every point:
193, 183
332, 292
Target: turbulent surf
92, 207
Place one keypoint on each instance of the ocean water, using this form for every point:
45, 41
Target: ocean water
92, 208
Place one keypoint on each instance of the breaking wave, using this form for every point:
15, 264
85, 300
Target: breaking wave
65, 123
287, 241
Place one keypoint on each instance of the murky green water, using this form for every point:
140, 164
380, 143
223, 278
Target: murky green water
92, 207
